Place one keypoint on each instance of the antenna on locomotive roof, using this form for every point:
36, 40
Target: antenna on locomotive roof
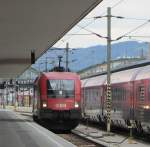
59, 58
58, 68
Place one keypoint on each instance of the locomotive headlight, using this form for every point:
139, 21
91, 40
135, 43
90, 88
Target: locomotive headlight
146, 107
44, 104
76, 105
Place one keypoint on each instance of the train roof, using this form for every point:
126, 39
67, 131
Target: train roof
67, 75
94, 81
126, 74
131, 66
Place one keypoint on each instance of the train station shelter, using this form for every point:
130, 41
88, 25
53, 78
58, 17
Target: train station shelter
35, 25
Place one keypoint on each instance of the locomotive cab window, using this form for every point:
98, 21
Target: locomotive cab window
60, 88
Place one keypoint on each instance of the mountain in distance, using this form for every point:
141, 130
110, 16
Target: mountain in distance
84, 57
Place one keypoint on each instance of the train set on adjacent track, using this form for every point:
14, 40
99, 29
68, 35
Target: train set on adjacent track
130, 93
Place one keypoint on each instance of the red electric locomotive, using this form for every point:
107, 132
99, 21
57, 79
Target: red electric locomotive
57, 99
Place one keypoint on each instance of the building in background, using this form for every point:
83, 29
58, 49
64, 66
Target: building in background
98, 68
30, 73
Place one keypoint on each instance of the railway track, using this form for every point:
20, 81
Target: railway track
79, 141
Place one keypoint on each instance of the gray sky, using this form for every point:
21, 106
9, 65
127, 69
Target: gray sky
136, 13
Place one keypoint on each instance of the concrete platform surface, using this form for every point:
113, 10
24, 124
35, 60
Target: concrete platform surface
108, 140
20, 131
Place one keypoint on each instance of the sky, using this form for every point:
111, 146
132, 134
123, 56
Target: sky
135, 12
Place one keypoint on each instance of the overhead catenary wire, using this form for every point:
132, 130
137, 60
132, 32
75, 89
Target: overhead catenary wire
81, 28
137, 36
122, 17
80, 34
116, 4
113, 6
90, 23
45, 61
118, 38
138, 19
52, 50
133, 30
100, 36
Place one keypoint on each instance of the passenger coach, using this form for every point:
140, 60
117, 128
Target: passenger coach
130, 92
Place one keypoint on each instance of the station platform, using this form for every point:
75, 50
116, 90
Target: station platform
98, 136
24, 109
21, 131
19, 109
108, 140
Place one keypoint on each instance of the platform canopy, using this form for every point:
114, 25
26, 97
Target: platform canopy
35, 24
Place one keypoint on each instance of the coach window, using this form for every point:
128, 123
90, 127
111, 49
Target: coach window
97, 92
113, 93
90, 95
141, 92
87, 95
88, 99
123, 94
92, 98
117, 94
149, 92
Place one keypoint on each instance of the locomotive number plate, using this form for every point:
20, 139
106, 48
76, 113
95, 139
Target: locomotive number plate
61, 105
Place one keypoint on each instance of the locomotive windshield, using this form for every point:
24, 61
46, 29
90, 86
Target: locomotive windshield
60, 88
